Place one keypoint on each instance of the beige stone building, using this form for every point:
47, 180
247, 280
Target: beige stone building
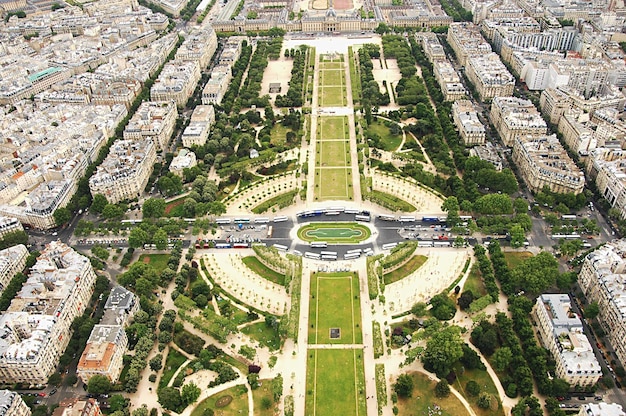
576, 133
153, 120
11, 404
35, 329
197, 132
176, 82
9, 225
216, 86
542, 161
12, 261
78, 407
103, 353
199, 46
514, 118
466, 121
489, 76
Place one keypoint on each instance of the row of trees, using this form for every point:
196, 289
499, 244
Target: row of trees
295, 94
249, 93
370, 90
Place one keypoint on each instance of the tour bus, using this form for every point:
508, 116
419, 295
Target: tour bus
329, 257
425, 243
313, 256
350, 256
565, 236
318, 244
355, 251
465, 217
223, 221
384, 217
241, 220
270, 229
329, 212
586, 245
364, 218
368, 252
352, 211
222, 245
389, 246
280, 219
339, 209
280, 247
441, 243
261, 220
297, 253
406, 218
568, 217
430, 219
241, 245
328, 253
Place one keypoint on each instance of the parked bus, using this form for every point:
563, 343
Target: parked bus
297, 253
241, 245
222, 245
338, 209
425, 243
280, 219
329, 213
241, 220
384, 217
280, 247
565, 236
223, 221
270, 229
355, 251
568, 217
328, 253
329, 257
389, 246
261, 220
351, 256
318, 244
364, 218
352, 211
406, 218
465, 217
441, 244
313, 256
430, 219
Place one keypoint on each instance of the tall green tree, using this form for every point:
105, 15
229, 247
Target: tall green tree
153, 208
62, 216
443, 349
189, 393
99, 384
98, 203
160, 239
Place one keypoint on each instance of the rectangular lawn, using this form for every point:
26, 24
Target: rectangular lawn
335, 383
332, 183
332, 96
333, 153
158, 261
332, 128
332, 77
335, 303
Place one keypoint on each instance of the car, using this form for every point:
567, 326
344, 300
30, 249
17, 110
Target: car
597, 398
582, 398
41, 394
560, 398
52, 392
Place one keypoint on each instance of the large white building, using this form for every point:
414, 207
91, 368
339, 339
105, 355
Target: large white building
561, 332
489, 76
197, 132
35, 329
514, 118
601, 409
602, 279
216, 86
466, 121
12, 261
199, 46
9, 225
176, 82
153, 120
11, 404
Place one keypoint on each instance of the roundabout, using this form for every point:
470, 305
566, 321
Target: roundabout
334, 232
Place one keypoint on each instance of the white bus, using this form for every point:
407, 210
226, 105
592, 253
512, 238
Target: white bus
313, 256
441, 243
297, 253
261, 220
406, 218
355, 251
280, 219
328, 253
241, 220
364, 218
223, 221
350, 256
329, 257
389, 246
425, 243
270, 229
338, 209
565, 236
384, 217
352, 211
329, 212
318, 244
280, 247
568, 217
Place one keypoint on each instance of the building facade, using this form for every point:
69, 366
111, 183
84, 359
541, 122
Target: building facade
12, 261
514, 118
153, 120
466, 121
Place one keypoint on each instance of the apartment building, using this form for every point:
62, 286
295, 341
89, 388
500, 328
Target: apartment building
197, 132
579, 137
561, 332
601, 409
432, 47
35, 329
120, 307
553, 103
154, 120
78, 407
231, 51
9, 225
185, 159
489, 76
611, 178
199, 46
176, 82
466, 41
103, 354
490, 153
11, 404
449, 81
542, 161
125, 171
514, 118
466, 121
602, 279
216, 86
12, 261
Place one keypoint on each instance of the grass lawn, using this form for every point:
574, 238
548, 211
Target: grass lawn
335, 303
389, 142
400, 273
475, 283
333, 183
266, 335
424, 401
238, 406
172, 362
332, 96
334, 232
327, 63
335, 383
483, 379
278, 134
332, 127
332, 77
158, 261
282, 200
259, 395
262, 270
514, 258
175, 208
391, 202
333, 153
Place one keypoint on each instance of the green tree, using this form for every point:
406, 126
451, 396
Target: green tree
484, 400
160, 239
118, 402
472, 388
137, 238
592, 310
403, 385
169, 397
189, 393
442, 388
518, 237
419, 309
55, 379
443, 308
98, 203
111, 211
62, 216
99, 384
153, 208
141, 411
443, 349
501, 358
156, 363
520, 205
535, 274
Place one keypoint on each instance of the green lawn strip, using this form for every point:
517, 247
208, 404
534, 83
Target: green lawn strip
264, 334
389, 142
262, 395
391, 202
514, 258
334, 383
239, 365
334, 183
334, 303
486, 384
157, 261
262, 270
332, 127
334, 232
379, 346
474, 282
331, 96
409, 267
175, 208
282, 200
278, 134
355, 79
174, 360
381, 387
423, 400
237, 407
334, 153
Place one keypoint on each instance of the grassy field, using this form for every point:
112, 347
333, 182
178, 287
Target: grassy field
332, 96
278, 135
174, 360
332, 128
333, 153
334, 232
486, 384
388, 141
282, 200
158, 261
175, 208
332, 77
264, 393
262, 270
514, 258
335, 303
391, 202
475, 283
266, 335
400, 273
424, 401
237, 407
333, 183
335, 383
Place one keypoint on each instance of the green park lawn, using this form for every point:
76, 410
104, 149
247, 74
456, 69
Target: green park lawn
334, 232
332, 127
423, 400
158, 261
514, 258
333, 183
335, 382
389, 142
335, 303
262, 270
331, 96
333, 153
264, 334
262, 397
485, 382
332, 77
278, 134
474, 282
174, 360
400, 273
237, 407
